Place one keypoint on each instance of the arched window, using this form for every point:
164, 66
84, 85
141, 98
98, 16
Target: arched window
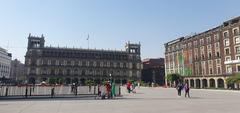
75, 71
44, 71
68, 71
104, 72
52, 72
60, 72
83, 72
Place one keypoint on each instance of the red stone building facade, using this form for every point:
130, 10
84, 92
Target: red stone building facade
208, 58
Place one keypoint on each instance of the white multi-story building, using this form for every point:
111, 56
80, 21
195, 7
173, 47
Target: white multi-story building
5, 63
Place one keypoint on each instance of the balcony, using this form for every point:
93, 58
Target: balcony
231, 62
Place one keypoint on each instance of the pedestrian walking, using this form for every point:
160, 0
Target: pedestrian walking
179, 89
52, 92
129, 87
103, 91
113, 90
186, 87
108, 87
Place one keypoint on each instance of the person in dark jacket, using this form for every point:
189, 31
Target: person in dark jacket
186, 87
179, 88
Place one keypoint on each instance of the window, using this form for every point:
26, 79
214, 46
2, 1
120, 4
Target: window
218, 54
209, 62
49, 62
237, 40
65, 62
237, 49
208, 40
217, 45
87, 63
195, 43
68, 71
228, 69
218, 70
83, 63
177, 47
189, 44
210, 71
209, 47
68, 63
90, 63
80, 63
201, 41
226, 42
72, 63
203, 67
227, 51
169, 49
238, 68
57, 62
235, 32
209, 55
52, 72
237, 57
225, 34
216, 37
94, 63
218, 61
228, 58
203, 56
76, 63
184, 46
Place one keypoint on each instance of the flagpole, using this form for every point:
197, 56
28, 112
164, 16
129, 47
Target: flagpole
88, 40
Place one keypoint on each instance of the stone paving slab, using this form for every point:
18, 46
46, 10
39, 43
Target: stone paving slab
146, 100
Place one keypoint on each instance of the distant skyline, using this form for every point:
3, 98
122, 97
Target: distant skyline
109, 23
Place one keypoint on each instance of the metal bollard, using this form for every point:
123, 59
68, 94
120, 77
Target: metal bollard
76, 91
94, 90
26, 92
119, 90
30, 92
6, 94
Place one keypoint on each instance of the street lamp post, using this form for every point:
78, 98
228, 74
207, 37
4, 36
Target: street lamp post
110, 75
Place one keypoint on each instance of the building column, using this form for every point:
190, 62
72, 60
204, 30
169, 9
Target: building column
195, 83
225, 84
208, 83
189, 83
201, 84
235, 85
216, 83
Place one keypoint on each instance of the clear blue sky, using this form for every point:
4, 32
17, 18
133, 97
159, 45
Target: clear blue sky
110, 23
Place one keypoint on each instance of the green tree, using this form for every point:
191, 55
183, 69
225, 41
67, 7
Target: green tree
233, 79
59, 80
89, 82
52, 81
175, 77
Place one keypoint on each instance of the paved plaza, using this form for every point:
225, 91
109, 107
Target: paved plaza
146, 100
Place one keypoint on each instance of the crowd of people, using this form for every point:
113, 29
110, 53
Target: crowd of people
107, 90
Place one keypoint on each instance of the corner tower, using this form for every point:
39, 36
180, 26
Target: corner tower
133, 48
35, 42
